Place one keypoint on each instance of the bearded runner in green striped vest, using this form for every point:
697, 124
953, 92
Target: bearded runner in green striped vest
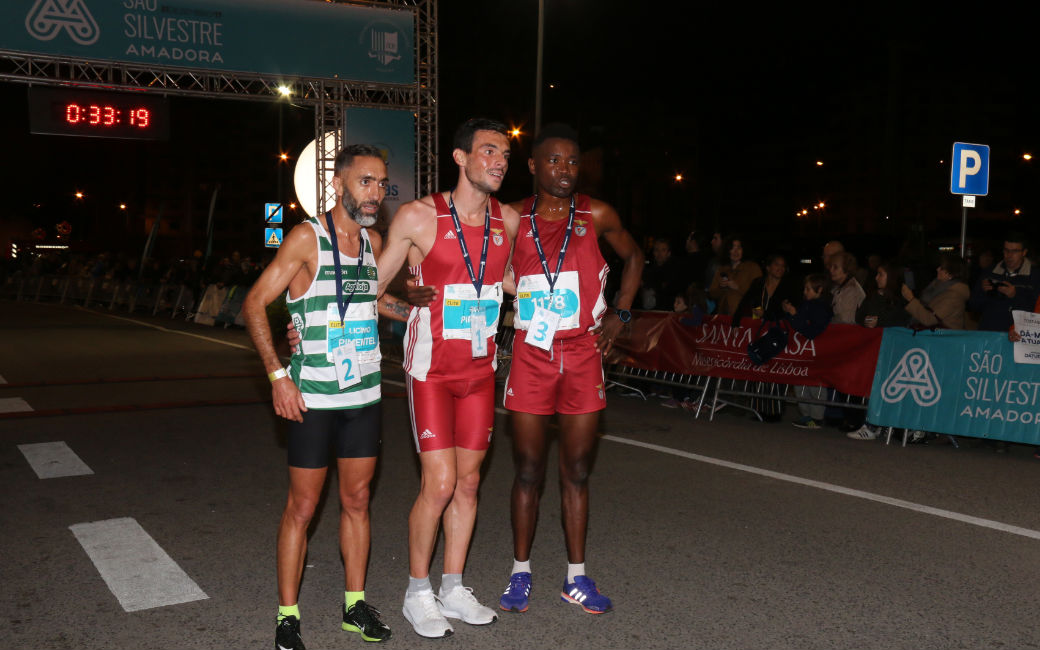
315, 315
330, 393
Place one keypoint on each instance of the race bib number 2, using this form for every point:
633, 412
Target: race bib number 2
348, 372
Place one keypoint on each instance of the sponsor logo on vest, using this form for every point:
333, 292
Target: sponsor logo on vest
48, 18
496, 236
913, 374
356, 286
450, 234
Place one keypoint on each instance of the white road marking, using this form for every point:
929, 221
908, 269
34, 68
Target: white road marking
54, 460
830, 487
14, 405
136, 569
169, 331
870, 496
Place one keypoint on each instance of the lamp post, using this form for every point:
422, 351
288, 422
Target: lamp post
538, 69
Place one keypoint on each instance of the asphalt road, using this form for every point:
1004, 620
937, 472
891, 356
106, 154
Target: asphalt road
724, 534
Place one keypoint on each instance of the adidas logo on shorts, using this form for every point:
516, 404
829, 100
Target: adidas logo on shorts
426, 435
509, 392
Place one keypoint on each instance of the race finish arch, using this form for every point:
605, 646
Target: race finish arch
368, 65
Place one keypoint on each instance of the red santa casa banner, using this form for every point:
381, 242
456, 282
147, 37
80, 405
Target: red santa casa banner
843, 357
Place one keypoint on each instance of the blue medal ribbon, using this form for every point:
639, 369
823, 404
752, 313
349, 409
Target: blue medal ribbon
340, 302
477, 280
551, 278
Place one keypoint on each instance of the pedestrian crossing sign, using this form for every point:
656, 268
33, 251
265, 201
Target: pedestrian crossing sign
273, 212
272, 237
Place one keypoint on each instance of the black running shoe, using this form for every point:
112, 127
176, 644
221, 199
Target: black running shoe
287, 635
364, 619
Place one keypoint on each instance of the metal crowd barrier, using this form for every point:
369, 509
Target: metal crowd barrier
712, 394
147, 297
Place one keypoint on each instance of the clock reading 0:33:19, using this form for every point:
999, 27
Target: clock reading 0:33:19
72, 111
107, 115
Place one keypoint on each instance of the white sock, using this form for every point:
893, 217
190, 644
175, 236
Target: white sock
449, 581
574, 570
415, 585
521, 567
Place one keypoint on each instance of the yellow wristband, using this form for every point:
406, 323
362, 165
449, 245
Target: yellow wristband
277, 374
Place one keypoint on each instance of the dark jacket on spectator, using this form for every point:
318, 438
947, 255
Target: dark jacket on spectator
994, 307
889, 310
757, 297
812, 317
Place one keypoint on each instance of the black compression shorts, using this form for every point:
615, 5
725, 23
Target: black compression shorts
354, 432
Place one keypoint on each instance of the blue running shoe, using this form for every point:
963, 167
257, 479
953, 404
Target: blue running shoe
583, 592
514, 598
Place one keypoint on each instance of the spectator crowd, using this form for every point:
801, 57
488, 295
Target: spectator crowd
719, 275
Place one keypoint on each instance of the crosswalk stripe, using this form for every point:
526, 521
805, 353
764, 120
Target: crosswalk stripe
54, 460
14, 405
136, 569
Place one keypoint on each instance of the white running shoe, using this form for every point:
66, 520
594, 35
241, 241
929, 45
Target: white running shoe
460, 603
865, 432
420, 609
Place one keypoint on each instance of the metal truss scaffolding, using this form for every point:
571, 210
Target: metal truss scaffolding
329, 97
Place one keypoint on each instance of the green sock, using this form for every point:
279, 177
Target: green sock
352, 597
289, 610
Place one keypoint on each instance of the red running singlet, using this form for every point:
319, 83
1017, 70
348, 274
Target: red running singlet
438, 342
578, 294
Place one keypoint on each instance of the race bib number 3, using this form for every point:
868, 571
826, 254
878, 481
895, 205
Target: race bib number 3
542, 329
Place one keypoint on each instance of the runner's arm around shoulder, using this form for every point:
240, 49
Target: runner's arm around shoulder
608, 225
398, 242
511, 218
388, 306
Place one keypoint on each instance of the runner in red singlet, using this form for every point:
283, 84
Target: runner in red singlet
460, 242
557, 365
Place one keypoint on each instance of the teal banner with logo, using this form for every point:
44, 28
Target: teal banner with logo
393, 133
958, 382
294, 38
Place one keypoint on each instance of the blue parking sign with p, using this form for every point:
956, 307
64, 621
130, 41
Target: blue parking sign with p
969, 173
273, 212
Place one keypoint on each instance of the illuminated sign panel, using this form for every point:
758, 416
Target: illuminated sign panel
288, 38
71, 111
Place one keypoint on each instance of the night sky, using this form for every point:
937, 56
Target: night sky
741, 101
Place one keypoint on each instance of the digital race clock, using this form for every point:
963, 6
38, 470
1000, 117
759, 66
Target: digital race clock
71, 111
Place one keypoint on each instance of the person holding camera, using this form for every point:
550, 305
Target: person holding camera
1011, 284
734, 278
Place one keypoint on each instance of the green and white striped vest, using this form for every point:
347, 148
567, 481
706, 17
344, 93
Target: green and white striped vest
311, 368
